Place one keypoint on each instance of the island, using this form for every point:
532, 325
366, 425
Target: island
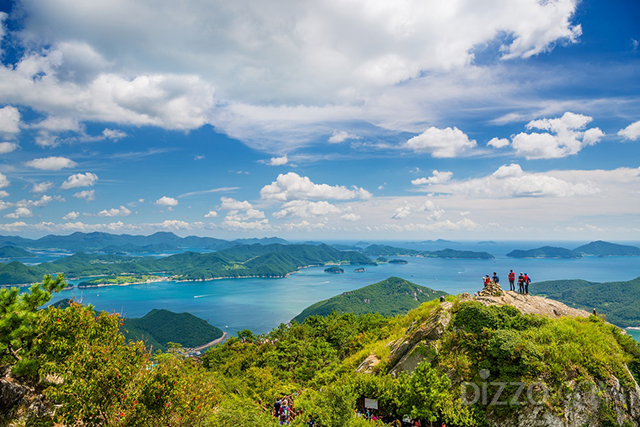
545, 252
121, 280
359, 270
619, 301
398, 261
334, 270
386, 250
600, 248
390, 297
14, 252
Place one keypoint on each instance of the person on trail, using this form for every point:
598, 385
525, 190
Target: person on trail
521, 283
276, 408
527, 280
311, 422
487, 279
495, 278
286, 413
512, 279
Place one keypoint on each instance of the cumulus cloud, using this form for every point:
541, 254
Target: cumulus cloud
235, 225
20, 213
71, 216
42, 187
9, 120
402, 212
278, 161
351, 217
8, 147
437, 177
631, 132
211, 214
166, 201
229, 203
565, 137
3, 194
4, 181
441, 143
512, 181
498, 142
51, 163
43, 201
292, 186
199, 157
341, 136
80, 180
121, 211
87, 195
306, 209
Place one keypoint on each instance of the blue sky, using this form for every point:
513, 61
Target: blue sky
510, 119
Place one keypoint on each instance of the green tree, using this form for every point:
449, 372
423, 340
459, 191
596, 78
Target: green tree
18, 314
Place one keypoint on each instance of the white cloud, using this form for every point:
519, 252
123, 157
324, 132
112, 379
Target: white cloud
166, 201
512, 181
9, 120
631, 132
3, 194
306, 209
4, 181
121, 211
278, 161
498, 142
51, 163
244, 215
172, 224
200, 157
565, 137
211, 214
80, 180
87, 195
351, 217
235, 225
441, 143
58, 124
402, 212
8, 147
434, 211
4, 205
43, 201
96, 64
437, 177
341, 136
113, 134
41, 187
13, 227
71, 216
20, 213
294, 187
234, 205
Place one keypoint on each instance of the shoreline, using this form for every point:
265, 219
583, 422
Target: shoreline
212, 343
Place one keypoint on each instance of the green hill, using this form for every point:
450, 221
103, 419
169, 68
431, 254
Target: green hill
600, 248
545, 252
620, 301
390, 297
275, 260
14, 252
159, 327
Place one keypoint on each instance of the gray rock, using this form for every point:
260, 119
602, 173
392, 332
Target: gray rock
10, 395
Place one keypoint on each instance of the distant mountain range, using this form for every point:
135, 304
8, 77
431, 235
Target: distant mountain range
275, 260
385, 250
619, 301
126, 243
390, 297
598, 248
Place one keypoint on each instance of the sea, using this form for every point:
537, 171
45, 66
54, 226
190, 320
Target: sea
262, 304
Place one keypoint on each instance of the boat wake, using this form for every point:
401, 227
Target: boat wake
201, 296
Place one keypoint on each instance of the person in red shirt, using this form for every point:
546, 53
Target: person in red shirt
512, 279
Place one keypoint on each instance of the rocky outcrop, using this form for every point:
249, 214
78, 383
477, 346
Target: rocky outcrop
529, 304
408, 352
10, 395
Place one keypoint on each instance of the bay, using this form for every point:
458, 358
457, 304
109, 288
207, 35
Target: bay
262, 304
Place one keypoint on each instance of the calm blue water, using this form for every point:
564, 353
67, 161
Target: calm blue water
262, 304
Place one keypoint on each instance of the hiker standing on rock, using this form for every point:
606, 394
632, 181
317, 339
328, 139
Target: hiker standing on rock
512, 279
495, 278
521, 283
527, 280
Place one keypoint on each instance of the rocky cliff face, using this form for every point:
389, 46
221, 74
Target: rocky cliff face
585, 403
